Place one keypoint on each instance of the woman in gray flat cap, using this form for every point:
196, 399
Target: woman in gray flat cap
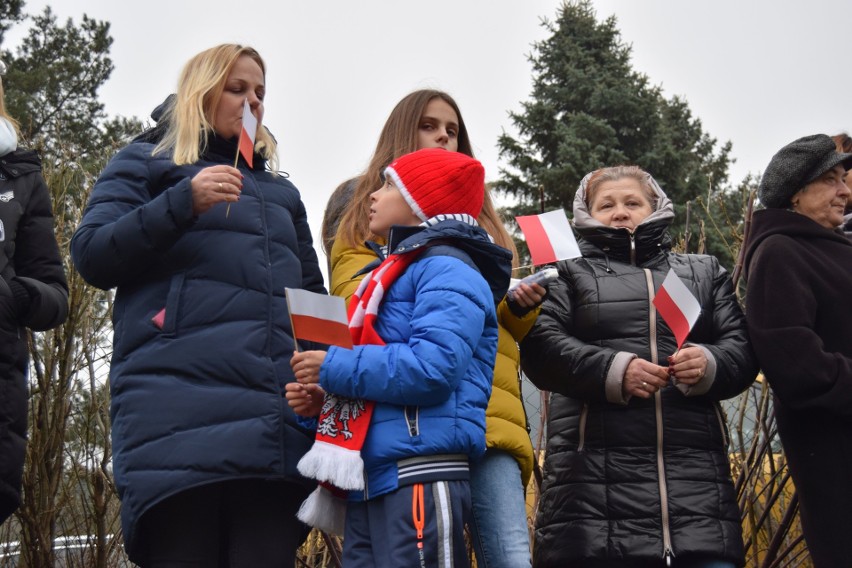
799, 269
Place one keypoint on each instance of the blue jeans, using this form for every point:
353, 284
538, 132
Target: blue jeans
499, 529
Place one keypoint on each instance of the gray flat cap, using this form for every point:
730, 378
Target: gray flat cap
796, 165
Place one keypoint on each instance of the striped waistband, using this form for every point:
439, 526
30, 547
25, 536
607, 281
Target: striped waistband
426, 469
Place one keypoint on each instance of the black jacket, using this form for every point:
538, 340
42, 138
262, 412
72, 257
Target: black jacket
799, 311
33, 293
631, 480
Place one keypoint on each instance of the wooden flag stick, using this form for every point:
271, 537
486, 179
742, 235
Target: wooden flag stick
228, 210
292, 327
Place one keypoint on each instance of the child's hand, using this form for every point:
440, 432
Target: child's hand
306, 366
305, 400
529, 296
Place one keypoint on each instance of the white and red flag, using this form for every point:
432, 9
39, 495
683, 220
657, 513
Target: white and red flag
677, 306
247, 134
318, 317
549, 236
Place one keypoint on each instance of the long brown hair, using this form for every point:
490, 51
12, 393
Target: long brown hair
399, 136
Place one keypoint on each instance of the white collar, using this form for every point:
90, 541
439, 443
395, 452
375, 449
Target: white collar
8, 137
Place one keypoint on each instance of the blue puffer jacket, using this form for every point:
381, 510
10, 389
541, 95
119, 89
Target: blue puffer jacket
432, 379
200, 398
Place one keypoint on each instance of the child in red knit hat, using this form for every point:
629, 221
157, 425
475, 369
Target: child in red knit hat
404, 411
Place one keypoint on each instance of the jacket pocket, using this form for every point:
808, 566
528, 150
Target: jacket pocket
584, 416
723, 424
173, 301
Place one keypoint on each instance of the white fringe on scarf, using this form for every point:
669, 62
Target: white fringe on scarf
324, 511
334, 464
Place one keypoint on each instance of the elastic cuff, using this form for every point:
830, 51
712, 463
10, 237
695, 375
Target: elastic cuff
518, 310
21, 297
615, 377
704, 383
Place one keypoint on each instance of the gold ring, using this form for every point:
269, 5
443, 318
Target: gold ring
644, 384
220, 186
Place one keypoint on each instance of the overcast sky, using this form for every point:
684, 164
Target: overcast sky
759, 73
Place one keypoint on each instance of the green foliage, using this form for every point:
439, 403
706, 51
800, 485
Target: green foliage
11, 12
589, 109
52, 87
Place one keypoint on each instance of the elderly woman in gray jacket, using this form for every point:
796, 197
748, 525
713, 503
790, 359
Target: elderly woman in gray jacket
636, 471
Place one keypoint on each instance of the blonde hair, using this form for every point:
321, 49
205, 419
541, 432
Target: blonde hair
616, 173
399, 136
4, 113
200, 87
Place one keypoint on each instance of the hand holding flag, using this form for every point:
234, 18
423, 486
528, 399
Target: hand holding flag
677, 306
317, 317
549, 236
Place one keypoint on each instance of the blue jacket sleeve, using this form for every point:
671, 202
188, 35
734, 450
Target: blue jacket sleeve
447, 322
128, 223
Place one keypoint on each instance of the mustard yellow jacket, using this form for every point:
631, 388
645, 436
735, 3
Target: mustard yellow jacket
505, 418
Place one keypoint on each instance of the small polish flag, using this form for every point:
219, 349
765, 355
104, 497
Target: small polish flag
247, 134
677, 306
549, 236
317, 317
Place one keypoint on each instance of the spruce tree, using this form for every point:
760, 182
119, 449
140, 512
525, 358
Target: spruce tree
589, 109
52, 83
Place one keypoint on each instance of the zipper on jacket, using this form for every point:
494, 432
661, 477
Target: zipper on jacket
668, 552
584, 414
725, 438
523, 406
413, 422
366, 487
633, 251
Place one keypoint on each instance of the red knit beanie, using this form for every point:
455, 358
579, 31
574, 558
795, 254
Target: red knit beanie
435, 181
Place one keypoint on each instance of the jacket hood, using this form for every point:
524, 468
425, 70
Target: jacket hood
650, 236
19, 163
154, 134
491, 260
768, 222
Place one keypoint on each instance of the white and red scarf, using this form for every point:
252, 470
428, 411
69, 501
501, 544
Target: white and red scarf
335, 458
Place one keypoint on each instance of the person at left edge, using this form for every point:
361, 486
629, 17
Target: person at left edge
33, 292
205, 444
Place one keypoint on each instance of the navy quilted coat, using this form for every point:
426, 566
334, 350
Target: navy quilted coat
647, 478
198, 398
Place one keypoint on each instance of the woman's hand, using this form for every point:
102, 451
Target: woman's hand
305, 400
643, 378
529, 296
306, 366
213, 185
688, 365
